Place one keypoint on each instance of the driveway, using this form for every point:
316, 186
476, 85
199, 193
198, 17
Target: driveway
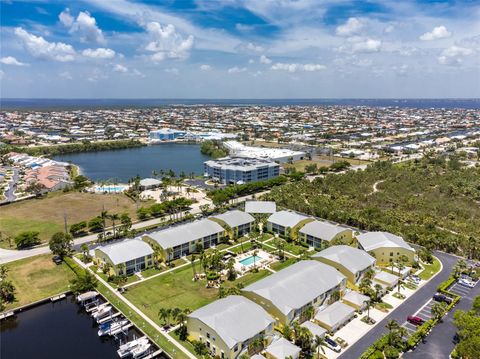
439, 344
410, 306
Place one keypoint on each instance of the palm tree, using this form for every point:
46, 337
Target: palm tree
391, 326
104, 216
192, 261
319, 343
438, 309
174, 313
164, 314
368, 304
255, 252
378, 289
114, 217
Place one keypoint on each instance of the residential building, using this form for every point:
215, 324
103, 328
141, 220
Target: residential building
165, 134
280, 155
239, 170
313, 233
260, 207
237, 221
125, 257
335, 316
387, 280
351, 262
386, 247
281, 348
181, 240
356, 300
279, 222
227, 326
315, 329
287, 293
149, 183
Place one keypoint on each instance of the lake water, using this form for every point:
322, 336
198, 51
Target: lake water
54, 330
121, 165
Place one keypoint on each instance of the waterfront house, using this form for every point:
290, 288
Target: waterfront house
227, 326
351, 262
237, 221
386, 247
125, 257
181, 240
288, 293
279, 222
334, 316
313, 233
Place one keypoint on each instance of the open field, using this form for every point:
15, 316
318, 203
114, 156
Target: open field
301, 164
46, 215
37, 278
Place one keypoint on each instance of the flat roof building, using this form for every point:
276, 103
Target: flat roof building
240, 170
287, 293
227, 326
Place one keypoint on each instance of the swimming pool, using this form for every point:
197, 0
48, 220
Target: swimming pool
110, 189
249, 260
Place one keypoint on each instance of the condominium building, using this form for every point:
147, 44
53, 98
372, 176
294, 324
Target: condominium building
239, 170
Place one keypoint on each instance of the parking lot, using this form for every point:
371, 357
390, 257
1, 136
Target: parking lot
460, 289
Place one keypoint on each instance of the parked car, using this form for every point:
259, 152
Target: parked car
415, 320
442, 298
466, 283
456, 339
415, 279
333, 345
57, 260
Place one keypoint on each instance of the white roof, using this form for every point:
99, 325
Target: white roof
373, 240
146, 182
185, 233
260, 207
314, 329
297, 285
126, 250
323, 230
287, 218
282, 348
235, 218
385, 277
335, 314
356, 298
353, 259
234, 318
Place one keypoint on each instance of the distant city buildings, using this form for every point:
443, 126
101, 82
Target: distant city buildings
279, 155
239, 170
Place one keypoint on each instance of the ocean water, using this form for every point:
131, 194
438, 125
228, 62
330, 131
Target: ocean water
44, 104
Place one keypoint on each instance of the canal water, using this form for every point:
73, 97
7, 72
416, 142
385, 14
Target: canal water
54, 330
121, 165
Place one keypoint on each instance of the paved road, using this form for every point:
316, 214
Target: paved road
12, 186
411, 305
438, 345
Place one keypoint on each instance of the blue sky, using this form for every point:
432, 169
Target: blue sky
240, 48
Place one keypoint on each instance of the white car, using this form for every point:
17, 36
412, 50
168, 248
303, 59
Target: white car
466, 283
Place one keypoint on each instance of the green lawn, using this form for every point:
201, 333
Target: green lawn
280, 265
294, 248
37, 278
430, 269
249, 278
246, 246
171, 290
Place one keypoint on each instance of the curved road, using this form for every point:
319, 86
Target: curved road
411, 305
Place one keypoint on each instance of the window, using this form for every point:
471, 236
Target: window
208, 335
235, 348
391, 254
222, 355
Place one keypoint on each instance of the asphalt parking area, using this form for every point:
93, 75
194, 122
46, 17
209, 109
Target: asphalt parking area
459, 289
424, 312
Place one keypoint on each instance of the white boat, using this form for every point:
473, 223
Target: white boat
108, 328
140, 349
126, 349
102, 312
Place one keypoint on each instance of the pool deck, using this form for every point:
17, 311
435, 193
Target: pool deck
265, 259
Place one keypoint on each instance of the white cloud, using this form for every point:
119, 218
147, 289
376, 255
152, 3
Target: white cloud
138, 73
253, 47
38, 47
2, 74
65, 75
166, 42
236, 69
251, 61
352, 27
205, 67
368, 45
100, 53
120, 68
85, 25
96, 75
265, 60
172, 70
65, 18
439, 32
10, 60
297, 67
453, 55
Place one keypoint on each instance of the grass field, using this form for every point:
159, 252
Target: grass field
300, 165
430, 269
46, 215
281, 265
37, 278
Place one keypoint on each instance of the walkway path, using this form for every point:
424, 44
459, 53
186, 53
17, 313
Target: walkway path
375, 188
139, 312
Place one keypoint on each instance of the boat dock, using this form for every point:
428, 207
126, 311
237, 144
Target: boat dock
57, 297
153, 355
107, 318
122, 329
